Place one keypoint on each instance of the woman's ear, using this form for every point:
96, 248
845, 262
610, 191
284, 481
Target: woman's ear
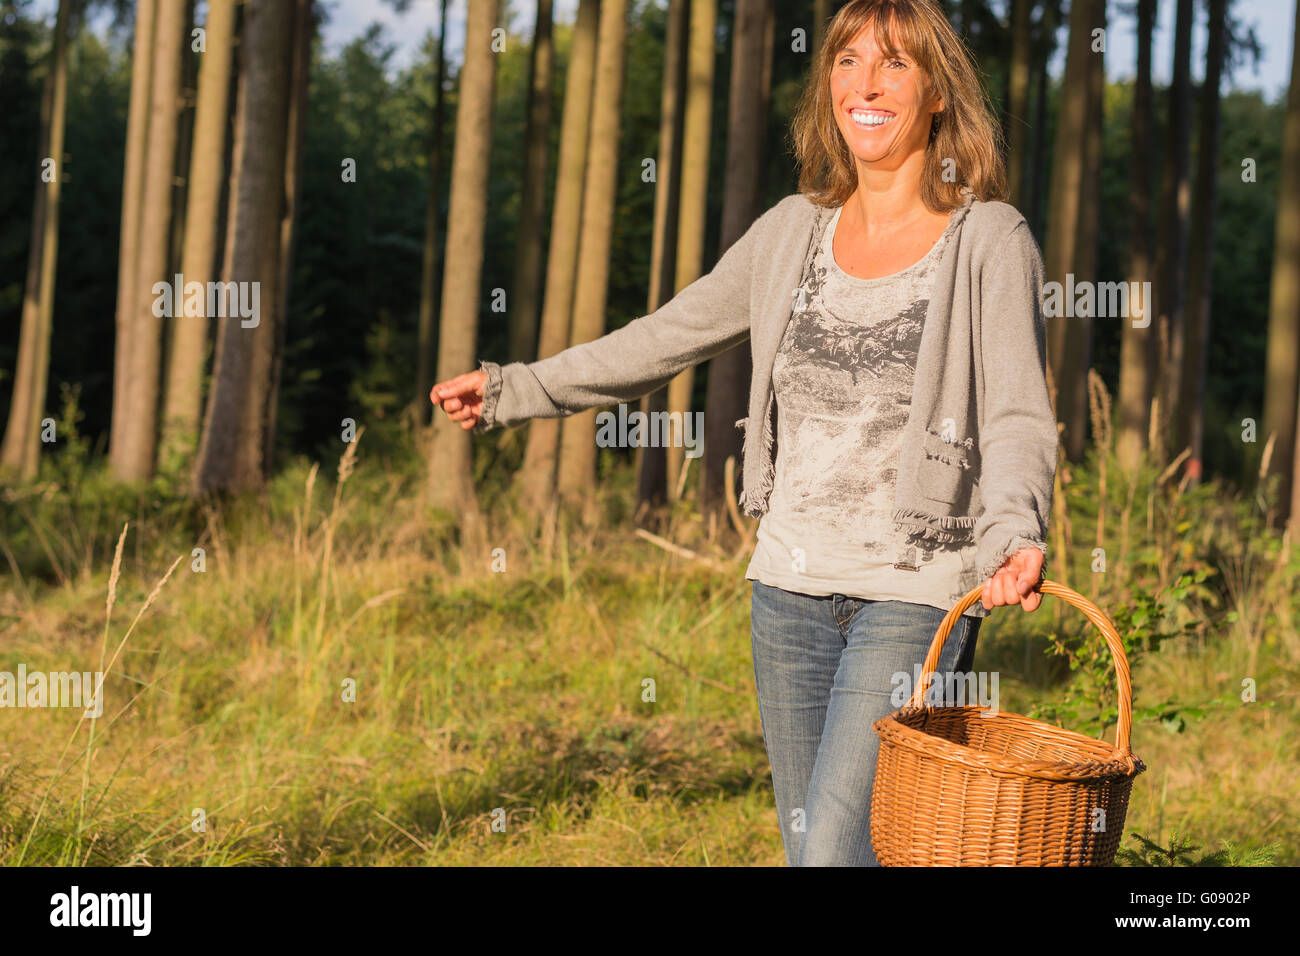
936, 98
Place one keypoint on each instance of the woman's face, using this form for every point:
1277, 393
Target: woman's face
883, 104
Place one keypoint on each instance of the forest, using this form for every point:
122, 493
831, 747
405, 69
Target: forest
334, 627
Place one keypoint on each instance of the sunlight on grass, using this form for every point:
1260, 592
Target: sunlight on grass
337, 679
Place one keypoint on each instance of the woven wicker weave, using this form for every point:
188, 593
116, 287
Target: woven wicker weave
954, 788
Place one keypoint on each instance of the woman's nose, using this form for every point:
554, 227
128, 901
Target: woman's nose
866, 82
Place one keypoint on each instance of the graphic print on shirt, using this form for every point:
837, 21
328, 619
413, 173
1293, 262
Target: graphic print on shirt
843, 342
839, 345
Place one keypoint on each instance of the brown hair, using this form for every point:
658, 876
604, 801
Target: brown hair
965, 131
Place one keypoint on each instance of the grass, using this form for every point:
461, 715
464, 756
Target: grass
337, 678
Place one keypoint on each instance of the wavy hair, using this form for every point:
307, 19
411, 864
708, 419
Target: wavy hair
965, 131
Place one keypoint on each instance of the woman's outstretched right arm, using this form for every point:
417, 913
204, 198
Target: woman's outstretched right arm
704, 319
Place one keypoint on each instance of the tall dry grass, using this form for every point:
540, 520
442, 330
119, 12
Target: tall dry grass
501, 710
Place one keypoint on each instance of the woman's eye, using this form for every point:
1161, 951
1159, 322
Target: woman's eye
848, 60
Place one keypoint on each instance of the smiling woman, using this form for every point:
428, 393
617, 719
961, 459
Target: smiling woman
899, 59
900, 446
898, 146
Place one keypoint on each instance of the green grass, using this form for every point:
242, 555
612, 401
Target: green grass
499, 717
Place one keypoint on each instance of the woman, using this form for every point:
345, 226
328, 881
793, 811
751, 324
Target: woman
900, 446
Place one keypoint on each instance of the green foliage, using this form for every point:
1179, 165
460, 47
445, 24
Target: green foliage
1182, 852
69, 468
1144, 620
380, 391
59, 528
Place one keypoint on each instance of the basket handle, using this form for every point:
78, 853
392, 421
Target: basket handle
1093, 613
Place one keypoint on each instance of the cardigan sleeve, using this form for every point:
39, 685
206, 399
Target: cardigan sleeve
1017, 429
702, 320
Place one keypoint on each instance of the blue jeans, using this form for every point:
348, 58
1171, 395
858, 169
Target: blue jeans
825, 670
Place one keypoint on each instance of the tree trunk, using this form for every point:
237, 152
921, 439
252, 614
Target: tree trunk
536, 480
577, 471
1045, 45
1171, 250
1018, 100
693, 216
1280, 411
185, 104
451, 458
1064, 204
433, 215
524, 306
137, 142
139, 438
199, 259
230, 455
304, 32
1079, 337
652, 474
727, 395
239, 97
20, 453
229, 201
1189, 422
821, 14
1138, 352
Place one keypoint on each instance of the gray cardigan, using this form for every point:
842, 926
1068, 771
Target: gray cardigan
980, 450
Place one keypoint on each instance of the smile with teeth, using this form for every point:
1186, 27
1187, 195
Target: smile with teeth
868, 119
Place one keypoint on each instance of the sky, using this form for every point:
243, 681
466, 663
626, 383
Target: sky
1273, 21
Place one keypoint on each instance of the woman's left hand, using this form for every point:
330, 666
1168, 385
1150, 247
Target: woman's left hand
1016, 582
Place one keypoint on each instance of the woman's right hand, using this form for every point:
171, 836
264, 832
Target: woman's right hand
461, 397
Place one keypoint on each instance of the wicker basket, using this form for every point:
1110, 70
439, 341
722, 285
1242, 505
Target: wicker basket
954, 788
